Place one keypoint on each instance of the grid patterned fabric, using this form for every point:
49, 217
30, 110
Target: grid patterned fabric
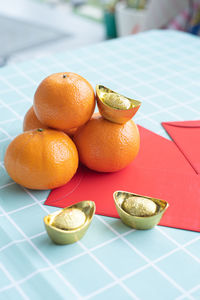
112, 261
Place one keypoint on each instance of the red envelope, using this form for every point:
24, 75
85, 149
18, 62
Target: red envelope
160, 170
186, 136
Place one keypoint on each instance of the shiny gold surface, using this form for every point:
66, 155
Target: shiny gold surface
139, 222
69, 236
114, 107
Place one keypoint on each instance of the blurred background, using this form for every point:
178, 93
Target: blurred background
34, 28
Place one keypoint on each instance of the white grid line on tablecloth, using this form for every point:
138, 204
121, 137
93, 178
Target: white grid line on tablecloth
28, 277
19, 102
4, 140
190, 291
5, 132
173, 282
11, 109
58, 264
19, 289
7, 121
164, 77
102, 289
180, 246
63, 262
106, 287
6, 185
118, 236
162, 257
21, 208
42, 256
20, 241
140, 269
107, 270
14, 88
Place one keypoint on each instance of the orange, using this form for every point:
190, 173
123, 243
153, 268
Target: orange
64, 101
32, 122
105, 146
41, 159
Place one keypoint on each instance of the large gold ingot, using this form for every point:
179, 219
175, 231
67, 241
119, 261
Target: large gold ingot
115, 107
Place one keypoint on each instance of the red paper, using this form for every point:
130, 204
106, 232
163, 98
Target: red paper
186, 136
160, 170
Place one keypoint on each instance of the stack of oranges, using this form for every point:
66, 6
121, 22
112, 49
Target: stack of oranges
60, 129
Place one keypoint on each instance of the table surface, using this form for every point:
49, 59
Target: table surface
112, 261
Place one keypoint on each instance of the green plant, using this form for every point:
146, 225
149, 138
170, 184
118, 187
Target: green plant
137, 4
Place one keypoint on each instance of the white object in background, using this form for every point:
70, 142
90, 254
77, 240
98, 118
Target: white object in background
161, 12
129, 20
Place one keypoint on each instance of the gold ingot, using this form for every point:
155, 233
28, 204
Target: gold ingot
115, 107
139, 222
69, 236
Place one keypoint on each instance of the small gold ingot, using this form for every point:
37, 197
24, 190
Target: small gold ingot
147, 216
63, 229
115, 107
